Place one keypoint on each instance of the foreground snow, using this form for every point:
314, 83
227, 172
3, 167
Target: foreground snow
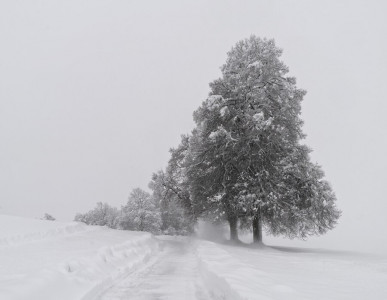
295, 273
53, 260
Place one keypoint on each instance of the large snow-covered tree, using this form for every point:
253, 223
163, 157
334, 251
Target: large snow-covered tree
245, 155
213, 168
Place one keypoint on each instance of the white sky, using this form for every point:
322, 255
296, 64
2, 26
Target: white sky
94, 93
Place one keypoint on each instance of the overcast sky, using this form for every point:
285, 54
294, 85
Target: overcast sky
94, 93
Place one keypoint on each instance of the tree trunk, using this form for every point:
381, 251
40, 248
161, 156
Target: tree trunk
257, 227
233, 222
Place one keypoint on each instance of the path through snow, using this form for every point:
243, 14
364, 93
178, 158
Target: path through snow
174, 273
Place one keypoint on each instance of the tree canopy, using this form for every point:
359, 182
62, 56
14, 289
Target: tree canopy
245, 158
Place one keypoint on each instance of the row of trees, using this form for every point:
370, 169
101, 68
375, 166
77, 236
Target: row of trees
142, 212
244, 162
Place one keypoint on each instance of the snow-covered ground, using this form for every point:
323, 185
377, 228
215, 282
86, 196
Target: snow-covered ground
296, 273
54, 260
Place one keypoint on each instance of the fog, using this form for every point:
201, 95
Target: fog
94, 93
212, 232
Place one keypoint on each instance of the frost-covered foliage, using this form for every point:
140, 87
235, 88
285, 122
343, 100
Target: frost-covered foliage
175, 221
169, 195
103, 215
140, 213
245, 159
48, 217
170, 190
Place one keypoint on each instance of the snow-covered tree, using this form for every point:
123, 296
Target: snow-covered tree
103, 215
245, 156
48, 217
140, 213
212, 170
170, 197
175, 179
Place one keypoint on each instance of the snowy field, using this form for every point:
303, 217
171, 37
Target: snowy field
54, 260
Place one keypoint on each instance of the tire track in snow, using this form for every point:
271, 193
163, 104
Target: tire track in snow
173, 274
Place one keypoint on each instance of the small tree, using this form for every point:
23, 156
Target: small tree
170, 198
103, 215
48, 217
140, 213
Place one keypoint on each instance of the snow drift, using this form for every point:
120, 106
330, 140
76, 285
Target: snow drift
53, 260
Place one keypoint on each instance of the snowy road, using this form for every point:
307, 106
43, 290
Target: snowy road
172, 274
